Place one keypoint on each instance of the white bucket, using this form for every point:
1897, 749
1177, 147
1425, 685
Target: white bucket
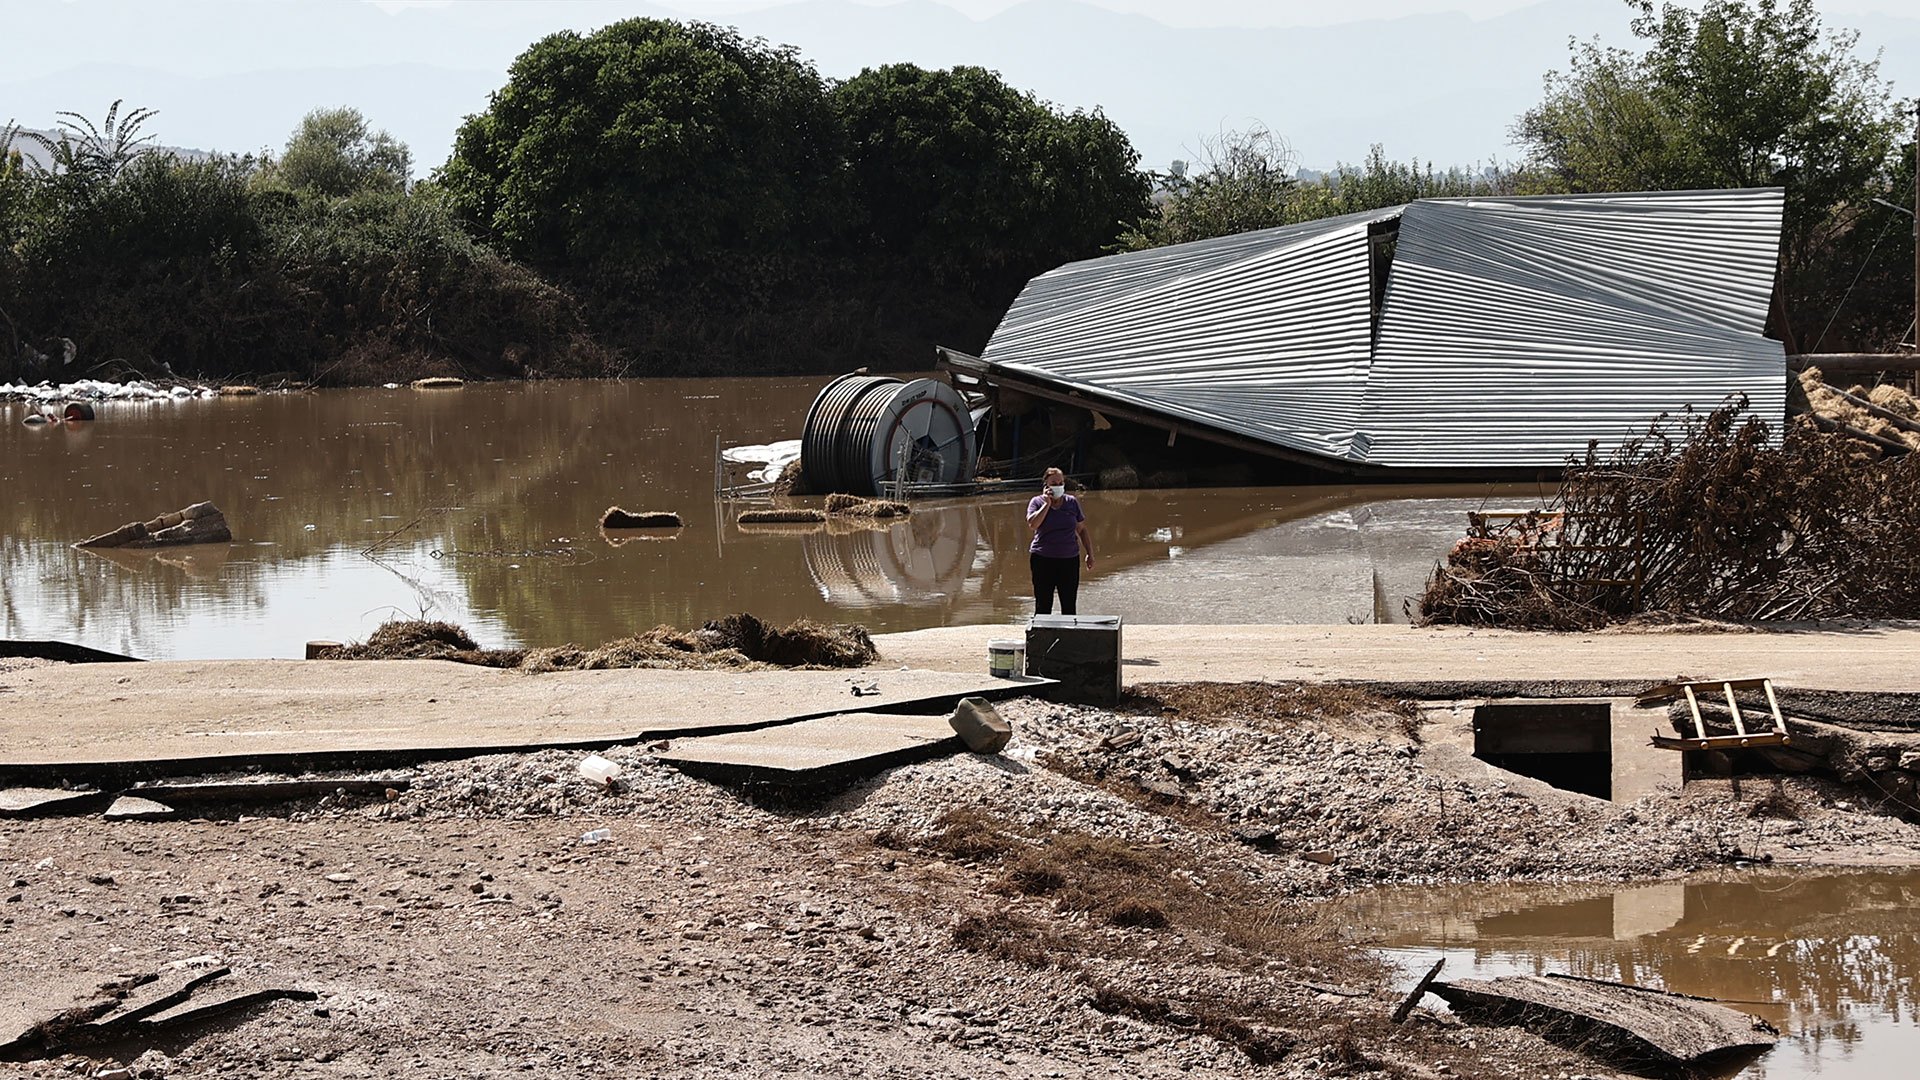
1006, 658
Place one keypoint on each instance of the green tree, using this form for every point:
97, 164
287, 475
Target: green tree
649, 139
333, 154
962, 173
1381, 182
1247, 183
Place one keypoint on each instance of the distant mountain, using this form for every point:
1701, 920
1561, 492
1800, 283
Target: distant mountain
235, 75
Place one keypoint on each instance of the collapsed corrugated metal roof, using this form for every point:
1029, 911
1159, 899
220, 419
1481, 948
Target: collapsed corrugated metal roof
1512, 331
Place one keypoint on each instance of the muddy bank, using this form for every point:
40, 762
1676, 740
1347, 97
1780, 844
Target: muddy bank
1117, 891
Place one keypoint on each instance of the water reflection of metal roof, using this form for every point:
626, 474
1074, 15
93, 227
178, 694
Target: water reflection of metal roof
1490, 333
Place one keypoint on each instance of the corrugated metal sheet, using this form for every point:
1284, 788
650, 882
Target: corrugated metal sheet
1514, 330
1264, 333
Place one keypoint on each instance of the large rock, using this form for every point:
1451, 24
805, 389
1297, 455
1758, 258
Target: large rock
201, 523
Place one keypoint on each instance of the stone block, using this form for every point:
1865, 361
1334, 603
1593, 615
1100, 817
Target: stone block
1082, 652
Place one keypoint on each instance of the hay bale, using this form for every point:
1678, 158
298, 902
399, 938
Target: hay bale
788, 516
1894, 400
616, 518
857, 506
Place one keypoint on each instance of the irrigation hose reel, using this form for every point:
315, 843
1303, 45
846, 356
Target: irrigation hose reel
865, 432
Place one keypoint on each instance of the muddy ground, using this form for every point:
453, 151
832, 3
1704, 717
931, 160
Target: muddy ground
1125, 892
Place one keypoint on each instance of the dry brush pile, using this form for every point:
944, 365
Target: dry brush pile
735, 642
1709, 516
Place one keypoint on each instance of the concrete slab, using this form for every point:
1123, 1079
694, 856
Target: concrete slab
114, 723
32, 801
1870, 657
830, 749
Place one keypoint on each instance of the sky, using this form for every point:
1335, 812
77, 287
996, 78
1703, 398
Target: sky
1439, 81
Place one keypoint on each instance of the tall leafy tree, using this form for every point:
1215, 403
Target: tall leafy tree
1246, 182
650, 139
334, 153
976, 179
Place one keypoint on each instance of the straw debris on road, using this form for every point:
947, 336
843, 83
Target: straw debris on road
736, 642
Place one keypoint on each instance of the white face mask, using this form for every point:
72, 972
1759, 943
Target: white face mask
1056, 490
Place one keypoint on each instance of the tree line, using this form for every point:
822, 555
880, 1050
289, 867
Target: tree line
665, 197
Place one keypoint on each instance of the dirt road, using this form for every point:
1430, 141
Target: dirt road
1118, 893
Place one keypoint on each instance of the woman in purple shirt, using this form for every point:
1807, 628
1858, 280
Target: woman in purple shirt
1059, 535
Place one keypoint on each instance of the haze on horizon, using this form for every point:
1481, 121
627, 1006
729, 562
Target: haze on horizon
1433, 80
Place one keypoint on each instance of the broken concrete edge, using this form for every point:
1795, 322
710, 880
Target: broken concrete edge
123, 777
85, 801
102, 1021
1878, 710
245, 790
736, 774
61, 651
192, 1012
1617, 1022
136, 808
120, 1019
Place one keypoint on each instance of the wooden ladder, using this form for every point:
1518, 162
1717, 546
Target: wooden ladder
1775, 736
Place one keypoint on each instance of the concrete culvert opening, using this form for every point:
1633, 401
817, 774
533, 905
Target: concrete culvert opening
1568, 745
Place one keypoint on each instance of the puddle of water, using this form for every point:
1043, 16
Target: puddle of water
1831, 959
518, 474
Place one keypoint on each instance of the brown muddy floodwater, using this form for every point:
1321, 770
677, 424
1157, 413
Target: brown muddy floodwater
484, 502
1830, 958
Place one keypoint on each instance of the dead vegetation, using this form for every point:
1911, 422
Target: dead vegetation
840, 509
616, 518
792, 515
407, 639
859, 506
735, 642
1109, 882
1711, 516
1114, 900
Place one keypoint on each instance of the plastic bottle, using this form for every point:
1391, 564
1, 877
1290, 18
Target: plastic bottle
595, 836
599, 770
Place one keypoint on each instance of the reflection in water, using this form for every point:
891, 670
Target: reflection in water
1831, 959
923, 561
515, 477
